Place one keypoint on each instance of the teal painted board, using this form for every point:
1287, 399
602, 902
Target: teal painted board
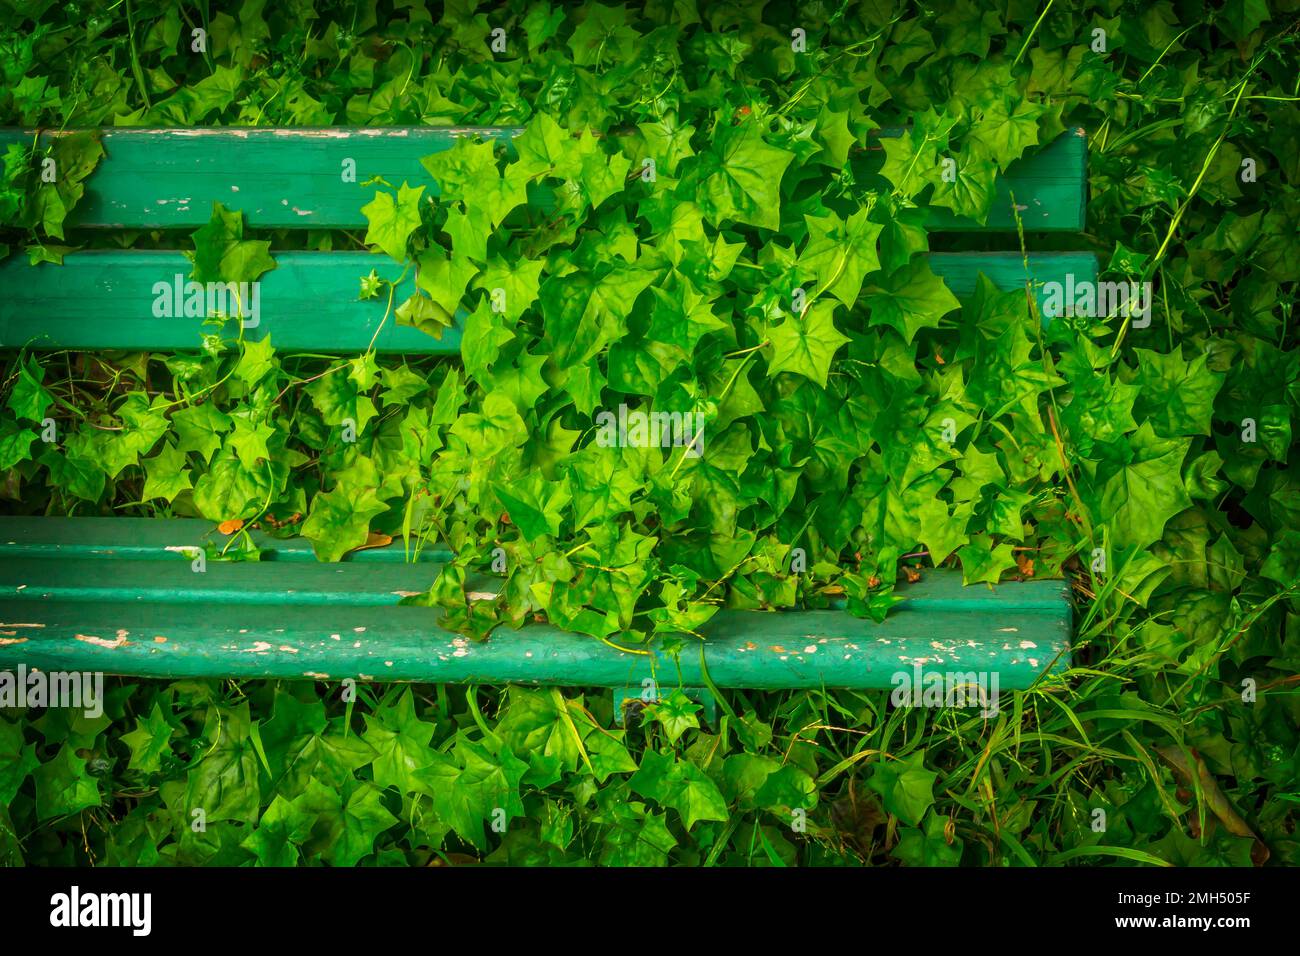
176, 581
1047, 189
293, 177
110, 300
800, 649
278, 177
142, 539
309, 301
960, 271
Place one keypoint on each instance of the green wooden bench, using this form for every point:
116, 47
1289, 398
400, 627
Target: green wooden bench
118, 594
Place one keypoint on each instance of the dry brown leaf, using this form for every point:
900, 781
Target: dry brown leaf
231, 526
1214, 798
1026, 565
375, 540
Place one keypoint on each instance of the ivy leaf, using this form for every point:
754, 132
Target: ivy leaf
338, 398
469, 229
471, 782
401, 741
1175, 396
517, 282
17, 760
257, 360
839, 253
603, 36
667, 142
228, 490
63, 786
928, 846
1008, 127
1137, 487
75, 157
225, 782
739, 178
680, 785
222, 254
910, 299
543, 148
15, 444
468, 172
676, 714
392, 220
942, 533
150, 740
199, 429
482, 340
906, 788
166, 474
444, 277
981, 561
353, 828
912, 159
340, 520
535, 504
28, 399
249, 441
970, 190
806, 344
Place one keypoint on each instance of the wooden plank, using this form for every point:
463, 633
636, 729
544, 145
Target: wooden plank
309, 301
292, 178
142, 539
1050, 190
280, 178
961, 271
803, 649
173, 581
105, 300
148, 565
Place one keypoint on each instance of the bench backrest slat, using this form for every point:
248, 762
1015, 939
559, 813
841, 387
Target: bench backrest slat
308, 303
293, 178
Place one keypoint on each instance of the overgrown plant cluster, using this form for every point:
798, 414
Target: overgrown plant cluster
702, 217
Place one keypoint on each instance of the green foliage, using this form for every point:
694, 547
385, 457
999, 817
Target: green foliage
769, 278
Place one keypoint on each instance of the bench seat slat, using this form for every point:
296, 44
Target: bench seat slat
798, 649
231, 582
292, 178
145, 539
105, 300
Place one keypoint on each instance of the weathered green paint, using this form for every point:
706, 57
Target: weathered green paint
309, 301
1048, 189
105, 300
220, 582
289, 178
1018, 637
172, 539
292, 178
960, 271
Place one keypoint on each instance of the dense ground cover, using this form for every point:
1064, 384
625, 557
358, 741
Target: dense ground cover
1148, 464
